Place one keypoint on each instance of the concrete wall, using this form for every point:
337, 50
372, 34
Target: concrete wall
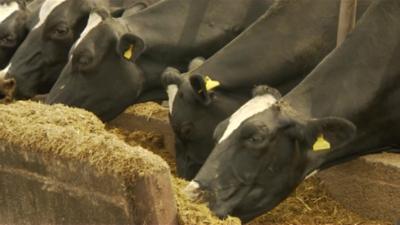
41, 189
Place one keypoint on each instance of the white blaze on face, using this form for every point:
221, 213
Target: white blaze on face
5, 71
172, 90
7, 9
94, 20
47, 7
252, 107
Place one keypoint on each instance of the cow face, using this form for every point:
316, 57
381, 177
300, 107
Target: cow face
38, 61
194, 114
101, 75
13, 29
261, 157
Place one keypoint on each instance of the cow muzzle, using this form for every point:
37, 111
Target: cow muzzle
192, 190
7, 89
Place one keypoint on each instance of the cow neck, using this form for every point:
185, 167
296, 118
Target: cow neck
281, 56
162, 33
295, 46
357, 79
175, 31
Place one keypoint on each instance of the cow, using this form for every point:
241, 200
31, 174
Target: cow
16, 20
37, 63
279, 49
120, 61
346, 107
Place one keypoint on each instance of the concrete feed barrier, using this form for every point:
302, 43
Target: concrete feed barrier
59, 166
369, 185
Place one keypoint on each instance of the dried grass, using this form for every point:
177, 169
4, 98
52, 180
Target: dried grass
149, 110
74, 134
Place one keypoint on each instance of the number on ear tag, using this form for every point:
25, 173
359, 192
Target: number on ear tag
211, 84
321, 144
128, 54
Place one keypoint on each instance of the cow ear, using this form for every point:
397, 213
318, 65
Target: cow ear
196, 63
171, 76
202, 88
220, 130
130, 47
171, 79
265, 89
329, 133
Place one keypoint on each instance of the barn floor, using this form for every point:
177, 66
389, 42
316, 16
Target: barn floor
310, 204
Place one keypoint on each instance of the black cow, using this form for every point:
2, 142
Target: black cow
279, 49
37, 63
120, 61
270, 145
16, 20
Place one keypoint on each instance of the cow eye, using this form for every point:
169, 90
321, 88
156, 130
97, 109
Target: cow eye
256, 138
60, 31
254, 135
84, 60
83, 63
7, 40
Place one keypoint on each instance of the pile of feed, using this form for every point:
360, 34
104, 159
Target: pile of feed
148, 110
309, 204
74, 134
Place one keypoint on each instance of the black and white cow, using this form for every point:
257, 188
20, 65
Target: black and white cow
278, 50
120, 61
16, 20
37, 63
346, 107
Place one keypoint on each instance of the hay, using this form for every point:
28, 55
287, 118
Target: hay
74, 134
151, 141
311, 204
149, 110
193, 213
189, 213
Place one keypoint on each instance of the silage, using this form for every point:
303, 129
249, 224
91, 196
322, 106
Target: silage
74, 134
148, 110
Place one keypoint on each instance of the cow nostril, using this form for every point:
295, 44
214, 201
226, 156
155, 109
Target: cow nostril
7, 89
9, 84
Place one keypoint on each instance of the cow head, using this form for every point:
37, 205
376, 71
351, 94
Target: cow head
13, 29
264, 151
38, 61
101, 75
195, 111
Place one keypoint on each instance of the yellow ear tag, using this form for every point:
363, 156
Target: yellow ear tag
211, 84
128, 54
321, 144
